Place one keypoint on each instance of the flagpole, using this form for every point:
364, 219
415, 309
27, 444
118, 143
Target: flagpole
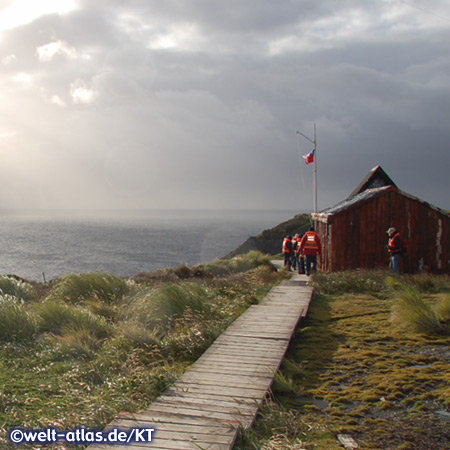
315, 170
314, 142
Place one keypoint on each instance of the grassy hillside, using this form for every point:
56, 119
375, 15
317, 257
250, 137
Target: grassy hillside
88, 346
269, 241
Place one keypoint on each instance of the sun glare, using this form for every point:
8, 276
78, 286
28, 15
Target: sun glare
21, 12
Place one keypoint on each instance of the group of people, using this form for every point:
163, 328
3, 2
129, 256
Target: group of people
300, 252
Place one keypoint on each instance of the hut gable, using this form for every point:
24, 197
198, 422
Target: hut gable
376, 178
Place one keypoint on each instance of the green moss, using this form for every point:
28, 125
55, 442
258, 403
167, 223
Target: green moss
379, 382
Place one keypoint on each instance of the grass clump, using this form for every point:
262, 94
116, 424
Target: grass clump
17, 324
57, 317
76, 288
443, 310
16, 287
412, 312
239, 264
72, 331
157, 308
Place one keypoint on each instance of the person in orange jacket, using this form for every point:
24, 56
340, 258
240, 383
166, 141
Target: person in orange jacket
310, 246
395, 248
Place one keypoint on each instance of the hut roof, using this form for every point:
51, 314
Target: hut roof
353, 201
376, 178
367, 195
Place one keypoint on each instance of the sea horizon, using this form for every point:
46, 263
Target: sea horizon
42, 244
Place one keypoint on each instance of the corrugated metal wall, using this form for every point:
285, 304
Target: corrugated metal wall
356, 237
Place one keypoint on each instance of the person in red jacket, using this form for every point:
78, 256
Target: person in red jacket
310, 246
395, 248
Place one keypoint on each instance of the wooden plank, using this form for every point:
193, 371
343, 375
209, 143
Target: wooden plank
217, 430
224, 387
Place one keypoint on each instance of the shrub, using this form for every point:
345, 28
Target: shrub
76, 288
16, 322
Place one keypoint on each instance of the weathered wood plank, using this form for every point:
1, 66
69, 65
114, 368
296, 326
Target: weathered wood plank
224, 387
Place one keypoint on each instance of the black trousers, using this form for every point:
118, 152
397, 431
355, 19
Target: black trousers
311, 263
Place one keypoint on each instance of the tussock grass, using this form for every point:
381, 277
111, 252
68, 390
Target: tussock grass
443, 310
16, 322
75, 288
240, 263
411, 311
139, 335
77, 342
158, 307
57, 317
17, 288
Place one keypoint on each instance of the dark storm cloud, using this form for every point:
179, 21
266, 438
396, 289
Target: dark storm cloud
196, 104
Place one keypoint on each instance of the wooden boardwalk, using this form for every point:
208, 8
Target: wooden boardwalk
223, 389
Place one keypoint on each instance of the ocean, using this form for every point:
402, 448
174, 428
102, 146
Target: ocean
38, 245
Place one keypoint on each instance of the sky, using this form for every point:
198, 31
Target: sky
196, 104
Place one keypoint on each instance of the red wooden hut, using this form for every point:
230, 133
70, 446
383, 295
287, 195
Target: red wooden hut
353, 232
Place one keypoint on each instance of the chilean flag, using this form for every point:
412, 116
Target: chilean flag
309, 158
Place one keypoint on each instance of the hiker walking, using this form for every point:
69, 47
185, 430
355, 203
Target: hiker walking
295, 245
396, 248
287, 251
310, 246
300, 258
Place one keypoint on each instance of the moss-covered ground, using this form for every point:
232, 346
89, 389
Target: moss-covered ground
351, 370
